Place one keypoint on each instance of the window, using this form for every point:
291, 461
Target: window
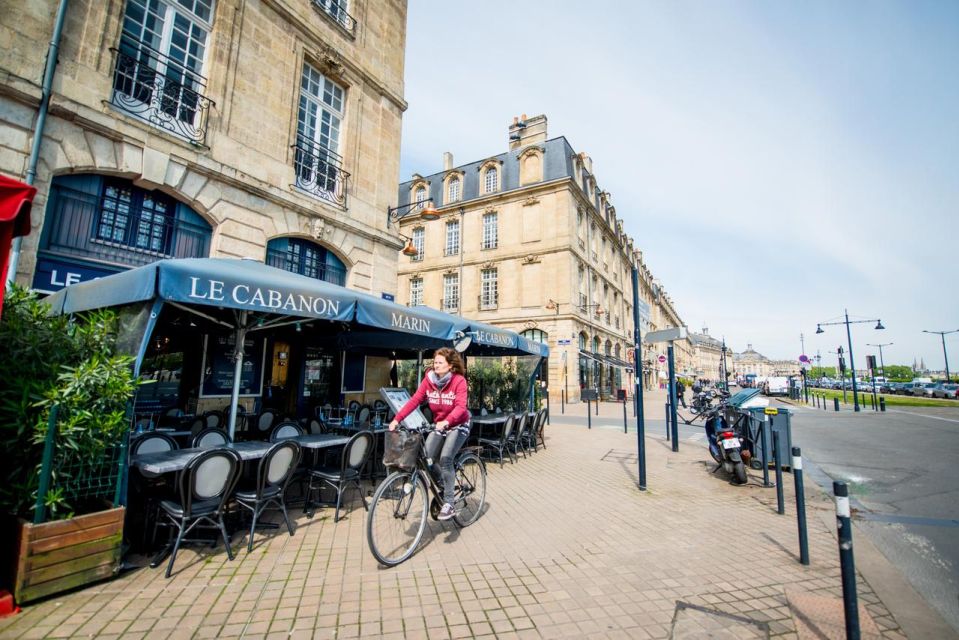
452, 238
451, 292
158, 75
491, 180
416, 292
420, 197
536, 335
317, 161
336, 10
135, 218
419, 240
489, 295
306, 258
490, 233
453, 189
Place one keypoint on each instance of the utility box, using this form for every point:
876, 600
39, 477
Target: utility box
771, 420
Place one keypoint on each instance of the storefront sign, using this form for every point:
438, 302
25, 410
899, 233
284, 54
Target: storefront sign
53, 274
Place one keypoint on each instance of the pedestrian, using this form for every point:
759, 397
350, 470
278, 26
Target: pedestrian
681, 392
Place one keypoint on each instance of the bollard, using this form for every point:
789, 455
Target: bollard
667, 422
836, 403
846, 561
597, 402
780, 507
882, 404
589, 415
824, 402
562, 400
800, 506
625, 430
762, 440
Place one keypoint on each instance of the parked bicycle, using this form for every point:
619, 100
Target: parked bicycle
397, 514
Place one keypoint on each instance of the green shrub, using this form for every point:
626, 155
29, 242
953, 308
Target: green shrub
50, 360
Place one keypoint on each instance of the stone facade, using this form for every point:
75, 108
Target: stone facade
241, 176
533, 244
707, 355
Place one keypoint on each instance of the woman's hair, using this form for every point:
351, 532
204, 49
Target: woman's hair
453, 358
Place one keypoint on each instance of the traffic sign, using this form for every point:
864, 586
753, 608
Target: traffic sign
804, 358
662, 359
563, 341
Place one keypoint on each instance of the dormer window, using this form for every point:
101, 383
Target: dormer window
453, 190
420, 197
491, 180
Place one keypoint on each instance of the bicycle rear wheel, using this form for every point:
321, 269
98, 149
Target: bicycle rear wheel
470, 489
397, 518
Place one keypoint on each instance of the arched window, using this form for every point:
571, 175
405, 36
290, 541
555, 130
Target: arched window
306, 258
420, 197
536, 335
491, 180
453, 190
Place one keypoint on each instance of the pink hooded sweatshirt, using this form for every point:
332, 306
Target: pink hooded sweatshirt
447, 404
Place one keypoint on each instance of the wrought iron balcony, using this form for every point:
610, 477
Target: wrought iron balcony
144, 237
296, 264
336, 11
319, 171
161, 91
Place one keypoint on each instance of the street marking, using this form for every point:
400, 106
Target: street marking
921, 415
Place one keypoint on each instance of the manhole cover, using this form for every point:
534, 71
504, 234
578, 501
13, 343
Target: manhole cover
691, 621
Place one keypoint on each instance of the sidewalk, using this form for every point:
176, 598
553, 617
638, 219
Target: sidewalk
568, 547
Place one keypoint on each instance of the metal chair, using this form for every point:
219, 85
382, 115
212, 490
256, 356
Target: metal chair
519, 433
214, 419
355, 454
363, 415
272, 477
539, 437
264, 421
501, 444
205, 486
152, 442
209, 438
284, 430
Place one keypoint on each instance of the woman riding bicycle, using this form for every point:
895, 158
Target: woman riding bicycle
445, 389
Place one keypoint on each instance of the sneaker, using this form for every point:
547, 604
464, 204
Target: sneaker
447, 512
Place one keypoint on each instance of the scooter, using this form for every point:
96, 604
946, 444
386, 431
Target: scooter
725, 444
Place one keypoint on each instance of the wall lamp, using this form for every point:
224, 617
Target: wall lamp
409, 249
395, 214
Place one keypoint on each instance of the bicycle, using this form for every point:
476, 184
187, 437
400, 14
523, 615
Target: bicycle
397, 513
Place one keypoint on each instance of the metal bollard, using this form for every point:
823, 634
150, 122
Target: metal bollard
824, 402
800, 506
667, 421
846, 560
762, 441
562, 400
589, 415
882, 404
777, 460
836, 403
625, 430
597, 403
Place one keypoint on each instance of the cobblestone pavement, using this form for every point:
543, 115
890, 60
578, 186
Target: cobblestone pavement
567, 547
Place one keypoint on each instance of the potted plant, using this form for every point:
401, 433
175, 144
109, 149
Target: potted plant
63, 404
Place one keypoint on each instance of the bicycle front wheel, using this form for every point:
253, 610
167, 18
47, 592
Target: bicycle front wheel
470, 489
397, 518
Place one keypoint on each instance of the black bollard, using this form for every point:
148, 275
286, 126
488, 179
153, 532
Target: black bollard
589, 415
882, 404
597, 402
846, 560
777, 460
762, 441
836, 403
800, 506
824, 402
667, 422
625, 430
562, 400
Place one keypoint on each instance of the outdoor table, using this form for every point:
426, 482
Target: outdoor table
489, 423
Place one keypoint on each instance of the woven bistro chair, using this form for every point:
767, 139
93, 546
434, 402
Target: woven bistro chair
272, 477
501, 444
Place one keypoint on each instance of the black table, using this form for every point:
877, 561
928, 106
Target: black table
490, 423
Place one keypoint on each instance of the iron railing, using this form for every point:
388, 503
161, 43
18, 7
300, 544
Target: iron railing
161, 91
146, 238
319, 171
336, 11
296, 264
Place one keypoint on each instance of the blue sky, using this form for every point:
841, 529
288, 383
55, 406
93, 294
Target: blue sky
777, 162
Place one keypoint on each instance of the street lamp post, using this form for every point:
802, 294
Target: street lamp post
942, 334
882, 363
852, 365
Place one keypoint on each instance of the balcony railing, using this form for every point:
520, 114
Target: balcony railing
296, 264
145, 238
161, 91
336, 11
319, 171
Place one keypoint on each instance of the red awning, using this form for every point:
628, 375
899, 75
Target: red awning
16, 198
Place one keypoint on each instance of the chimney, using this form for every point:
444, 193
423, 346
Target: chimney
526, 131
447, 161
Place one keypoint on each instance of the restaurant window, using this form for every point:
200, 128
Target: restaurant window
489, 296
536, 335
419, 243
305, 258
451, 292
452, 238
318, 164
159, 67
416, 292
490, 230
135, 218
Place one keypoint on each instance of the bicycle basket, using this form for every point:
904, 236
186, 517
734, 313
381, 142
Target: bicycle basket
401, 449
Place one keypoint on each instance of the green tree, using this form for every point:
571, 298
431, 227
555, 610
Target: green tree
899, 372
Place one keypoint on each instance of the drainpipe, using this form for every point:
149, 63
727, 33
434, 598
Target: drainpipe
51, 67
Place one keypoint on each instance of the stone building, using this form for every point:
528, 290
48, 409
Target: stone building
207, 128
751, 362
528, 240
707, 355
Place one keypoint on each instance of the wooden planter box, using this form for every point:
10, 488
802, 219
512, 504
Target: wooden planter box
65, 554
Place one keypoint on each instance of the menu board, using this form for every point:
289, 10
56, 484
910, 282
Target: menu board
219, 365
396, 397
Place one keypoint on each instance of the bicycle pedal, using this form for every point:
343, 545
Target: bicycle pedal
435, 507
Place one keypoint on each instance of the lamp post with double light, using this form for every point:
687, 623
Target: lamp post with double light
418, 208
852, 365
942, 334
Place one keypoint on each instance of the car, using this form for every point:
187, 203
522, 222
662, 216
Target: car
946, 390
923, 389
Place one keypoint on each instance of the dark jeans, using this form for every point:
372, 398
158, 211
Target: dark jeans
450, 442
